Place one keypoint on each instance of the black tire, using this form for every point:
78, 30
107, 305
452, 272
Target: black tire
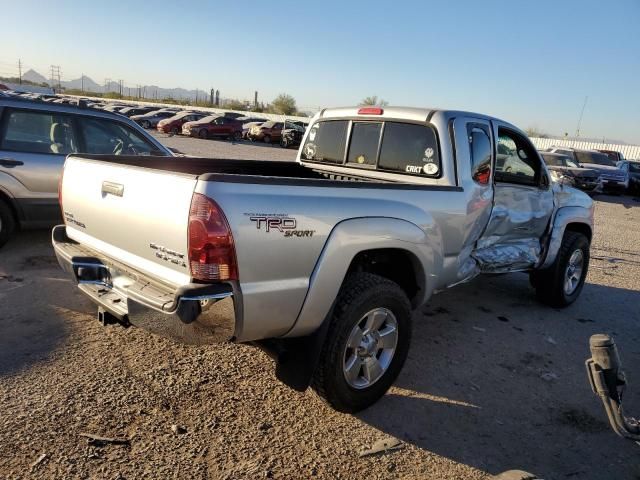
361, 293
7, 223
267, 139
550, 283
235, 136
145, 124
203, 134
175, 130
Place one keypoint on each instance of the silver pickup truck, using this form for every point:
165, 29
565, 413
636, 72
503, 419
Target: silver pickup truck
321, 262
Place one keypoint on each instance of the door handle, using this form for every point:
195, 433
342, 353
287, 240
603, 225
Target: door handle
112, 188
10, 162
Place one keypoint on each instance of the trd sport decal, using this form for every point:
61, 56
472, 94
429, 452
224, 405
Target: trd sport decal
279, 222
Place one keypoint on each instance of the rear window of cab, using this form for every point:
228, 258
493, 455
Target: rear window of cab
395, 147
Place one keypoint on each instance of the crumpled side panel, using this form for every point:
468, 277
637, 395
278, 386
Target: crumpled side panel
517, 255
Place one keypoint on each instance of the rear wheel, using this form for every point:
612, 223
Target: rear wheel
561, 284
145, 124
175, 130
267, 139
7, 222
235, 136
366, 345
203, 134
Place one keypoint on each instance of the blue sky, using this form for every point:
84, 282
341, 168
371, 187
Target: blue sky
531, 63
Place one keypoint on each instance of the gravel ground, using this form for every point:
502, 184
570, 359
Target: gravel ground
494, 381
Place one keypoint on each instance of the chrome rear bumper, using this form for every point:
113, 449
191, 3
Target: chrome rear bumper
194, 314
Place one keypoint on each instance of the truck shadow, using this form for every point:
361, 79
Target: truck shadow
496, 381
31, 327
627, 201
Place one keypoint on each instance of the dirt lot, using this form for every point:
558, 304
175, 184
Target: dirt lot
225, 149
494, 381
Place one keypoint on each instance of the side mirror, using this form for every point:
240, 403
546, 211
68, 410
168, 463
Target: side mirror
607, 379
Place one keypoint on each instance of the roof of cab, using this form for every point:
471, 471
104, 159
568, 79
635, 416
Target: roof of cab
407, 113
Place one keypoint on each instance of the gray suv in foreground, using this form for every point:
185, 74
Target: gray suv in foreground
35, 138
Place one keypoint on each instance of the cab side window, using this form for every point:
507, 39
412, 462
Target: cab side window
516, 160
480, 148
38, 132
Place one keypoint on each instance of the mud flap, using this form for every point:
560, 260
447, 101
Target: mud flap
296, 358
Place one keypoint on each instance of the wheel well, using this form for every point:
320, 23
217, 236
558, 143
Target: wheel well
582, 228
7, 199
397, 265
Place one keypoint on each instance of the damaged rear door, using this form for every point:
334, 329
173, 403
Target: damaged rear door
522, 206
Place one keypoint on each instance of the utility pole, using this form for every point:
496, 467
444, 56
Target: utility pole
82, 83
121, 82
20, 71
580, 117
255, 99
107, 84
217, 97
55, 74
211, 95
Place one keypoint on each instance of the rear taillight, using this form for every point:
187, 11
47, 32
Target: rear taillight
370, 111
212, 255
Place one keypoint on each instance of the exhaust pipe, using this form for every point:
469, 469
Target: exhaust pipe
604, 370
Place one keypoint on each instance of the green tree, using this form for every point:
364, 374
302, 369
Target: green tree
535, 132
373, 101
235, 105
284, 104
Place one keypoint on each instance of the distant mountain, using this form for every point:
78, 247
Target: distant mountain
146, 91
34, 77
83, 83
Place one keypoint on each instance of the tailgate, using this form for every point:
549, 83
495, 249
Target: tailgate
136, 215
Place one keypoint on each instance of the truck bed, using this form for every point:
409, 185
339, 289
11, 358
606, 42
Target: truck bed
259, 171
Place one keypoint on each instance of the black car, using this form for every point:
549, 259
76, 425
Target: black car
291, 137
568, 172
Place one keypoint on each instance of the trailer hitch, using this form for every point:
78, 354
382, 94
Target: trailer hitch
608, 381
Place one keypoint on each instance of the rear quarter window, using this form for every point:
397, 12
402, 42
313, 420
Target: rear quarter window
408, 148
326, 142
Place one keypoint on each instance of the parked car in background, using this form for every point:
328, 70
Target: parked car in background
174, 124
632, 168
233, 115
566, 171
613, 155
151, 119
246, 127
35, 138
115, 107
214, 126
613, 179
131, 111
267, 132
291, 137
